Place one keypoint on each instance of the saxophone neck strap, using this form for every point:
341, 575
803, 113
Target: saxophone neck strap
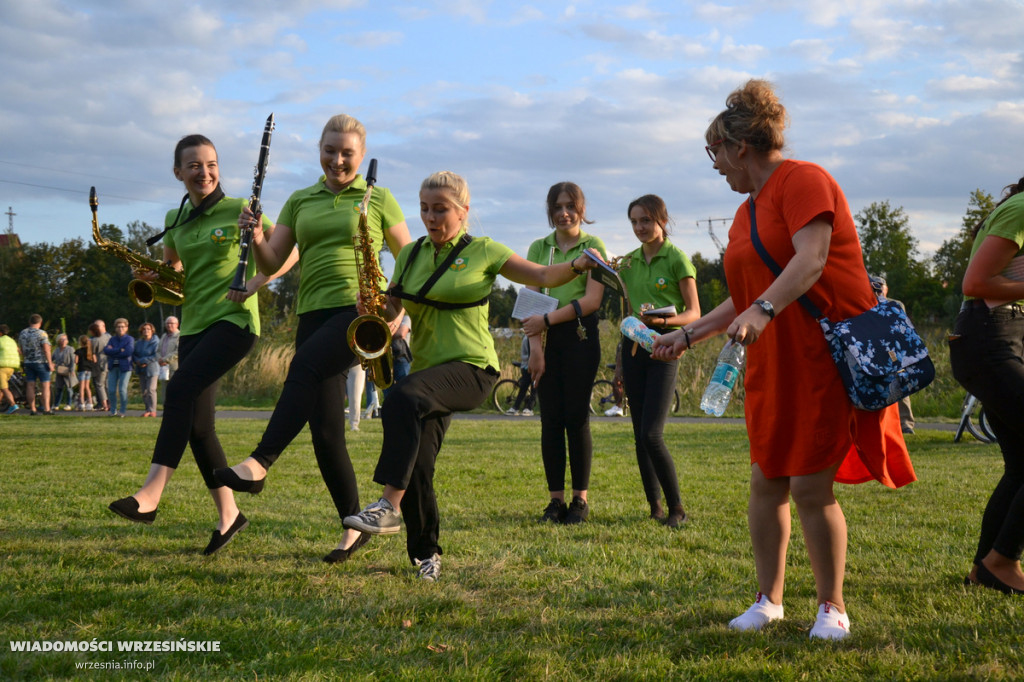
210, 200
421, 295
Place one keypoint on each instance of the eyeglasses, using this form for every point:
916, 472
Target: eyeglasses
710, 149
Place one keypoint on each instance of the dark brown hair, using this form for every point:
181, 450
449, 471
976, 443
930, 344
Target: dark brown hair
579, 202
655, 207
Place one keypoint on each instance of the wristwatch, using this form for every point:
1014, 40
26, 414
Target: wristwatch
766, 307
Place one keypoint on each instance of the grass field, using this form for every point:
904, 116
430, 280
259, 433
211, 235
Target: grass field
617, 598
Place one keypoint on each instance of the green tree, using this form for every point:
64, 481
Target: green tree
890, 250
501, 302
950, 260
711, 287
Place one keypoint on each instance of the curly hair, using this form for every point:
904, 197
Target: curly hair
753, 114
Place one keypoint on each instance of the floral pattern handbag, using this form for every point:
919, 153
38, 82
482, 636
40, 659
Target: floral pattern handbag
879, 355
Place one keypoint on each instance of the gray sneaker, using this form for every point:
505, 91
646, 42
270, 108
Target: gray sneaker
430, 569
379, 518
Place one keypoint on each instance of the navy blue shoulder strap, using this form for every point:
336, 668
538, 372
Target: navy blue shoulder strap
772, 265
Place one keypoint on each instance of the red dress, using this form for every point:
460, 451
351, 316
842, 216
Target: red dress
799, 419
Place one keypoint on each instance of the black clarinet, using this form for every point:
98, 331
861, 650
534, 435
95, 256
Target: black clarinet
245, 239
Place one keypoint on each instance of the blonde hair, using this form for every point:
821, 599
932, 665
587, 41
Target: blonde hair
451, 184
753, 114
343, 123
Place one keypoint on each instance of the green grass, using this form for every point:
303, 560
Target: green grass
617, 598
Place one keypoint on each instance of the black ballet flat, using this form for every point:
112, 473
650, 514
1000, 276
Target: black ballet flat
339, 555
228, 477
986, 578
128, 507
220, 539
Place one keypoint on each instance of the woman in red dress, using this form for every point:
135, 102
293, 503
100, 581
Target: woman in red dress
804, 432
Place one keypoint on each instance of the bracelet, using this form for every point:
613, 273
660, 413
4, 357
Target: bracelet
572, 266
686, 335
547, 322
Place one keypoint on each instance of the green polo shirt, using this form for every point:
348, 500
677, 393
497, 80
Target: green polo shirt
208, 248
324, 224
1007, 221
440, 336
546, 252
9, 352
657, 282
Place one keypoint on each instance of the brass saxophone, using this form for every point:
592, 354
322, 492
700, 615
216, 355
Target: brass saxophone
167, 288
369, 336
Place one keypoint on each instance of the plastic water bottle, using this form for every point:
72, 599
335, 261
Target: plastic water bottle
719, 391
635, 330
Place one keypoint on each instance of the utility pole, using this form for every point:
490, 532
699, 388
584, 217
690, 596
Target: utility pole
10, 219
711, 231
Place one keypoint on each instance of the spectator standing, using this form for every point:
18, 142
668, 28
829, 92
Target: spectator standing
881, 289
100, 338
118, 352
145, 363
167, 349
86, 368
400, 352
10, 360
37, 361
64, 366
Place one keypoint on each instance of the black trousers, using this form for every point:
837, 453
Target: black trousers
191, 399
415, 417
650, 385
314, 392
570, 366
988, 360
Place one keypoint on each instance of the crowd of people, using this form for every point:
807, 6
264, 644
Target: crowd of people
445, 360
59, 376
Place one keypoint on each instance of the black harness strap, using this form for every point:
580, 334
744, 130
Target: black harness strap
210, 199
421, 295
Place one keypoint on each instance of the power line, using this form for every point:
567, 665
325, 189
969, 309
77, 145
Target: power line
78, 191
711, 231
84, 175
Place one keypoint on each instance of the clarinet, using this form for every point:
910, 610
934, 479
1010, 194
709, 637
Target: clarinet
245, 239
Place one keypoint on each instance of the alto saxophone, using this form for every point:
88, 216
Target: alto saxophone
369, 336
166, 288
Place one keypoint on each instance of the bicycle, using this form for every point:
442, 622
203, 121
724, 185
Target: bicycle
983, 431
515, 397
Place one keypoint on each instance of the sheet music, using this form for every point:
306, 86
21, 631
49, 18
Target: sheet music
530, 302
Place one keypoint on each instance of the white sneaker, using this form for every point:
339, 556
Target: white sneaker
613, 411
430, 569
512, 412
757, 616
830, 624
526, 413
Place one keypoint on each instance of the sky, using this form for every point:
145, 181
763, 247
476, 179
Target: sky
915, 102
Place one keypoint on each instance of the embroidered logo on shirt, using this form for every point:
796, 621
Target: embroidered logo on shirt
660, 284
219, 236
458, 264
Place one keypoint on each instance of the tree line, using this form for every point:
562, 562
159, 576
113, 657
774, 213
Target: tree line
73, 283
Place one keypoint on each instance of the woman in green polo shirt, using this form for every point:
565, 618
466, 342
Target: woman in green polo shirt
658, 277
564, 364
321, 220
218, 328
454, 365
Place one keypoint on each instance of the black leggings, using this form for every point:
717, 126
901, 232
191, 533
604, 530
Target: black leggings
570, 366
988, 360
191, 400
415, 417
314, 392
650, 385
